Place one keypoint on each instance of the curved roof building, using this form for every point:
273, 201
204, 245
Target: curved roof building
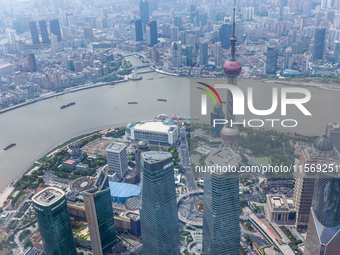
323, 143
290, 72
120, 192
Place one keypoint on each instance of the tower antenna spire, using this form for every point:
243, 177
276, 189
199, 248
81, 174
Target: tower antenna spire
234, 17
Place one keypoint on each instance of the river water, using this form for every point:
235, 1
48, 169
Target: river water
39, 127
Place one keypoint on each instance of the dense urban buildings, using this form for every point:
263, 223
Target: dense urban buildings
159, 217
99, 215
333, 132
54, 223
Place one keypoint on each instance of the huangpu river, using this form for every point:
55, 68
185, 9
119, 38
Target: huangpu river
37, 128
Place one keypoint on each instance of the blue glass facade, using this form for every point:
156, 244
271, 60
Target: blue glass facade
158, 214
55, 226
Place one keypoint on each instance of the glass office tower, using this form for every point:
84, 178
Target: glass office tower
158, 213
54, 222
99, 215
221, 227
323, 234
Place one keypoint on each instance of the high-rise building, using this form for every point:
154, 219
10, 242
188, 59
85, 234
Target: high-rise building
203, 48
221, 228
323, 233
43, 31
174, 34
55, 28
88, 33
117, 159
218, 54
137, 30
303, 22
304, 181
144, 11
333, 132
99, 215
159, 213
176, 54
212, 15
224, 33
189, 55
317, 19
11, 36
166, 30
32, 63
34, 32
54, 222
232, 68
191, 40
271, 60
54, 43
154, 54
178, 22
319, 43
183, 37
151, 33
283, 3
307, 8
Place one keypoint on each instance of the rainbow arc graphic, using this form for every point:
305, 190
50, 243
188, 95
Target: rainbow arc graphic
204, 97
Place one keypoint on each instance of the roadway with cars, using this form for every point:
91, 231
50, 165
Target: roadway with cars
186, 161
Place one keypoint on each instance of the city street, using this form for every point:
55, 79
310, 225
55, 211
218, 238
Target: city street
186, 161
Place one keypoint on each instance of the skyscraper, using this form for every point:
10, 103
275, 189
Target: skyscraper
137, 30
176, 54
11, 36
218, 54
203, 53
304, 181
55, 28
151, 33
88, 33
224, 33
159, 213
117, 159
54, 222
54, 43
303, 22
144, 11
34, 32
174, 34
189, 55
178, 22
43, 31
99, 215
323, 234
319, 43
221, 229
271, 60
32, 63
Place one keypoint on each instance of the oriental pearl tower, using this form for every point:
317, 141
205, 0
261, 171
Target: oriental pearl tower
232, 69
